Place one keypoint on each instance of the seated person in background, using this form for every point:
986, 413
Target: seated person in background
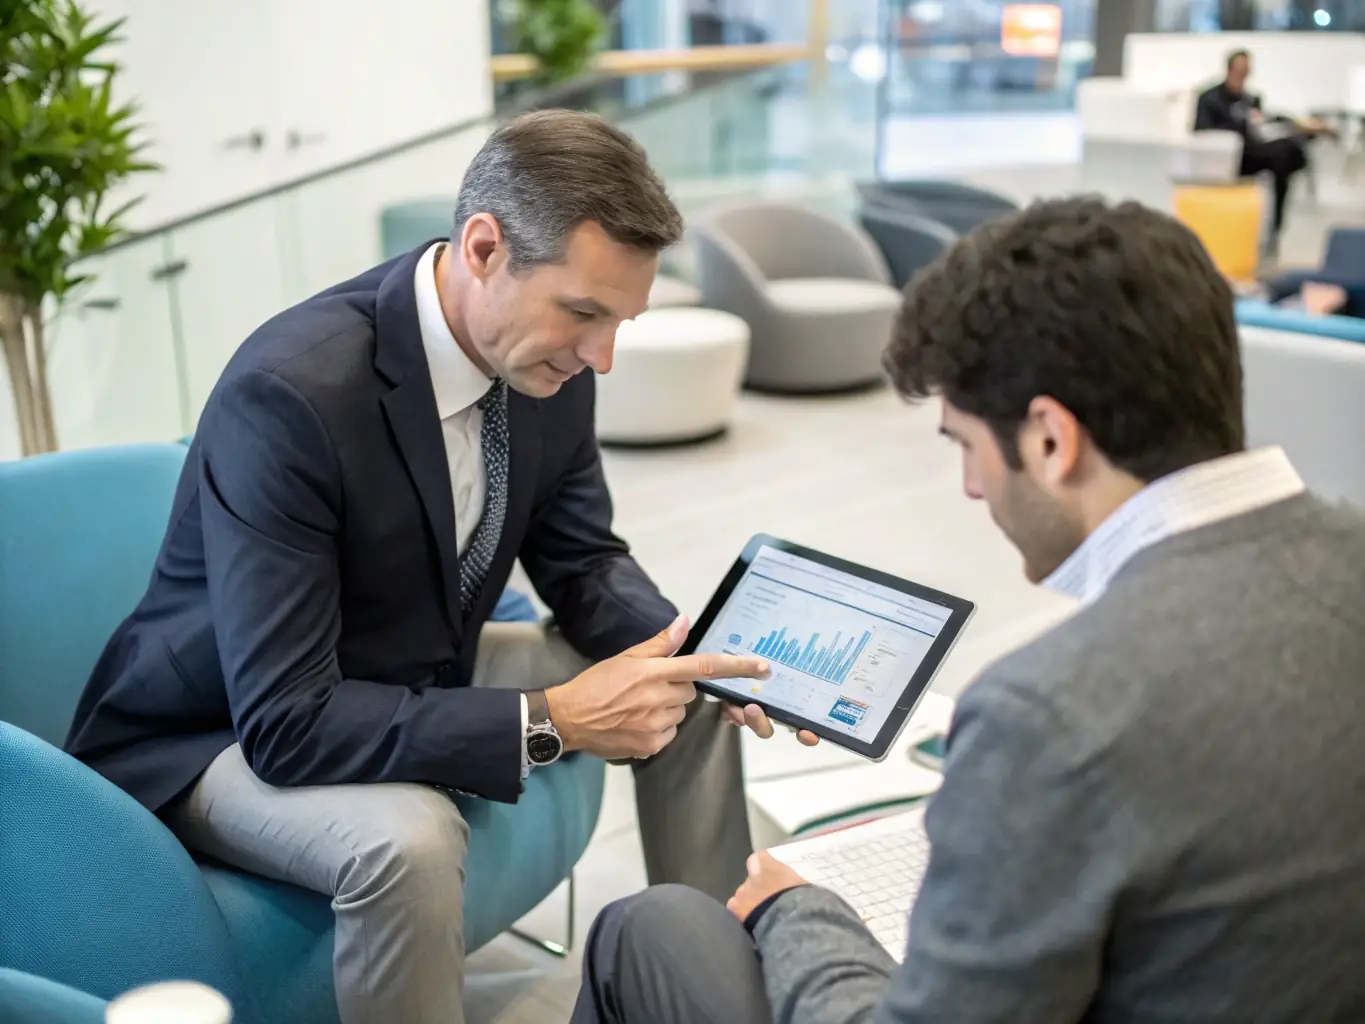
1316, 298
1337, 287
1276, 145
1153, 812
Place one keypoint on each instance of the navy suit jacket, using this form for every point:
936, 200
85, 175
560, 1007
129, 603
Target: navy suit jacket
305, 602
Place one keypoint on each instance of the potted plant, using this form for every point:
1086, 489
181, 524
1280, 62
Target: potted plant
562, 35
64, 146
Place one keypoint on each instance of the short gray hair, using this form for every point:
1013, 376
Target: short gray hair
544, 173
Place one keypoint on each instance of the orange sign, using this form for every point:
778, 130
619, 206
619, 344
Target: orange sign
1031, 30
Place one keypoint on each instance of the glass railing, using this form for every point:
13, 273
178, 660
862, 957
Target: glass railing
134, 353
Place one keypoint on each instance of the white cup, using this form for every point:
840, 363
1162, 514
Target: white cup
172, 1002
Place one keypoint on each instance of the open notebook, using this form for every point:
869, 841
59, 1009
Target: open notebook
798, 788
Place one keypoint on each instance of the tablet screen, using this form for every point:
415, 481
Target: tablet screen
842, 648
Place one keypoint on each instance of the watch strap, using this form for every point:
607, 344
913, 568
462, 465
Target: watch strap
537, 707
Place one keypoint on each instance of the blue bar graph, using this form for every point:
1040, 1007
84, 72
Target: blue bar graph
831, 662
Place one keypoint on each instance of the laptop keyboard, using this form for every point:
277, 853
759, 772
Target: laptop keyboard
877, 868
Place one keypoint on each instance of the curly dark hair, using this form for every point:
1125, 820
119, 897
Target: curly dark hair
1116, 312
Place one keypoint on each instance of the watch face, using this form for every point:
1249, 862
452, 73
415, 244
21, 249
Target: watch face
543, 747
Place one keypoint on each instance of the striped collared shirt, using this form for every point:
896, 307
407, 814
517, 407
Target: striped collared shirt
1202, 494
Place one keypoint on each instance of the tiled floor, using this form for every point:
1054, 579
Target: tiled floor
876, 485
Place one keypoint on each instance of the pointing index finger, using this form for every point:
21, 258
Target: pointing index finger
713, 666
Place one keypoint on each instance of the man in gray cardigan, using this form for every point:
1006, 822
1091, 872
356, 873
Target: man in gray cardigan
1157, 811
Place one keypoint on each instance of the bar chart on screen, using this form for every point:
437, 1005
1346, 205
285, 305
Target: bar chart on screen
830, 662
836, 655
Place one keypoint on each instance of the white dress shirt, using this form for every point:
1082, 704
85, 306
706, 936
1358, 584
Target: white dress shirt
1202, 494
459, 385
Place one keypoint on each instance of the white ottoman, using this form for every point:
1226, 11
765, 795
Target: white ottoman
675, 377
671, 291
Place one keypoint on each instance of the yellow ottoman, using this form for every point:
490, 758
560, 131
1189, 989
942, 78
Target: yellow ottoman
1227, 219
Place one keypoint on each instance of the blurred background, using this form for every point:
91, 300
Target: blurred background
283, 131
273, 148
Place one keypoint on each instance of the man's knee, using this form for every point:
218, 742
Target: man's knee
650, 913
672, 953
657, 918
415, 852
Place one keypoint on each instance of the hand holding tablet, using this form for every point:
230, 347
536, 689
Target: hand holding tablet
751, 716
851, 650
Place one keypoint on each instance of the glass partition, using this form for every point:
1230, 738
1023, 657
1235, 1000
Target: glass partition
1263, 15
113, 366
137, 352
991, 56
236, 270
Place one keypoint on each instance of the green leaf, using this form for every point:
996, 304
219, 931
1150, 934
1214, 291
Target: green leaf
563, 36
65, 142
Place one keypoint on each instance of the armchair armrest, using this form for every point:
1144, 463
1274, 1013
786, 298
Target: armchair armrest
1212, 156
98, 894
730, 280
819, 245
909, 241
784, 240
26, 999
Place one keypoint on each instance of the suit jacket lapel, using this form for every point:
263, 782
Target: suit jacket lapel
410, 409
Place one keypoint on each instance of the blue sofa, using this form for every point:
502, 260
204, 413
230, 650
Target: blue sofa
1255, 313
95, 893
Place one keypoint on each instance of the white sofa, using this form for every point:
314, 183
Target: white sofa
1307, 394
1137, 127
1297, 73
1136, 141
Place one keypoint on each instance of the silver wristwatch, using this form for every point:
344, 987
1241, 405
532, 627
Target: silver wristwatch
544, 745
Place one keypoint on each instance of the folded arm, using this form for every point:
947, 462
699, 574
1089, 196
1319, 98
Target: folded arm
270, 494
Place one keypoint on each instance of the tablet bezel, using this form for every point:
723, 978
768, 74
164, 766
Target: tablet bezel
961, 611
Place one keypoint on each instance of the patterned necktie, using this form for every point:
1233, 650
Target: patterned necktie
483, 543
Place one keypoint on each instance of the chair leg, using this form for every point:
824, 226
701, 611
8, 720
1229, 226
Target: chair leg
554, 948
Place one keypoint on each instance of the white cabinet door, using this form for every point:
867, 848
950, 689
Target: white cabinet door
236, 96
200, 73
353, 77
330, 228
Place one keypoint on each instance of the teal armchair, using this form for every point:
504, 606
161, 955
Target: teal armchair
27, 999
95, 893
405, 226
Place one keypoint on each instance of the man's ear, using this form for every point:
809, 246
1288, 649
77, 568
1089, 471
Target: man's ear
1056, 439
481, 246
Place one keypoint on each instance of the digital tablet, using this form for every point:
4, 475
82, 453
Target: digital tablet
852, 650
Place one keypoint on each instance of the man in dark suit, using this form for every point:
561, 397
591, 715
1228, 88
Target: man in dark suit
1278, 145
310, 670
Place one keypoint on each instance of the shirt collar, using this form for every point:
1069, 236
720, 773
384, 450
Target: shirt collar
1200, 495
458, 383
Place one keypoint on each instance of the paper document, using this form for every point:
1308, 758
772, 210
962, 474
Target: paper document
797, 803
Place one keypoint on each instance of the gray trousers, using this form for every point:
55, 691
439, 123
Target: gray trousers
391, 856
670, 955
